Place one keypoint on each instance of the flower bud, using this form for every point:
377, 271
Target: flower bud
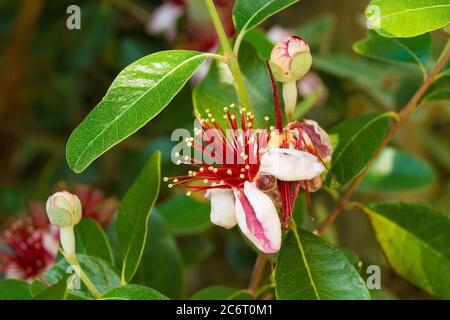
64, 209
290, 59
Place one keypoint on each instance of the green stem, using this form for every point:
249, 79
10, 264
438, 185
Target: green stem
83, 276
217, 57
237, 43
230, 56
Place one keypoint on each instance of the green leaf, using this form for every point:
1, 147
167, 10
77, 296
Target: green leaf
92, 240
55, 292
184, 215
309, 268
440, 88
415, 240
353, 258
407, 18
14, 290
355, 141
412, 50
260, 42
217, 90
369, 75
101, 273
221, 293
137, 95
134, 211
134, 292
382, 294
37, 287
161, 250
248, 14
395, 170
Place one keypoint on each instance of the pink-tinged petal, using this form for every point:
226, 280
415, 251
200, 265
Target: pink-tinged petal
315, 138
257, 217
222, 207
290, 164
164, 20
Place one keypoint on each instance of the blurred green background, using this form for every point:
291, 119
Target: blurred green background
51, 77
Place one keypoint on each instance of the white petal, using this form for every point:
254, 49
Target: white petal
290, 165
222, 207
258, 219
50, 243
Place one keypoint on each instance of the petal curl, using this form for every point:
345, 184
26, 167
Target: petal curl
290, 164
222, 207
257, 217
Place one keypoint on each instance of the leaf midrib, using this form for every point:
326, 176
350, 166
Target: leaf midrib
244, 28
415, 9
308, 270
408, 50
134, 234
131, 105
352, 139
421, 242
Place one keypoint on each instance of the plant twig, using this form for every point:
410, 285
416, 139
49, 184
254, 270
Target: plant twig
403, 117
229, 54
257, 273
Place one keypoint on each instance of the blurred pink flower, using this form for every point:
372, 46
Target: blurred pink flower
95, 205
29, 245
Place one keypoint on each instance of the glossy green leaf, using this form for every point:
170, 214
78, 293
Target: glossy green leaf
56, 292
134, 212
161, 250
134, 292
184, 215
412, 50
407, 18
395, 170
217, 90
248, 14
14, 290
355, 141
101, 273
415, 240
92, 240
309, 268
136, 96
221, 293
